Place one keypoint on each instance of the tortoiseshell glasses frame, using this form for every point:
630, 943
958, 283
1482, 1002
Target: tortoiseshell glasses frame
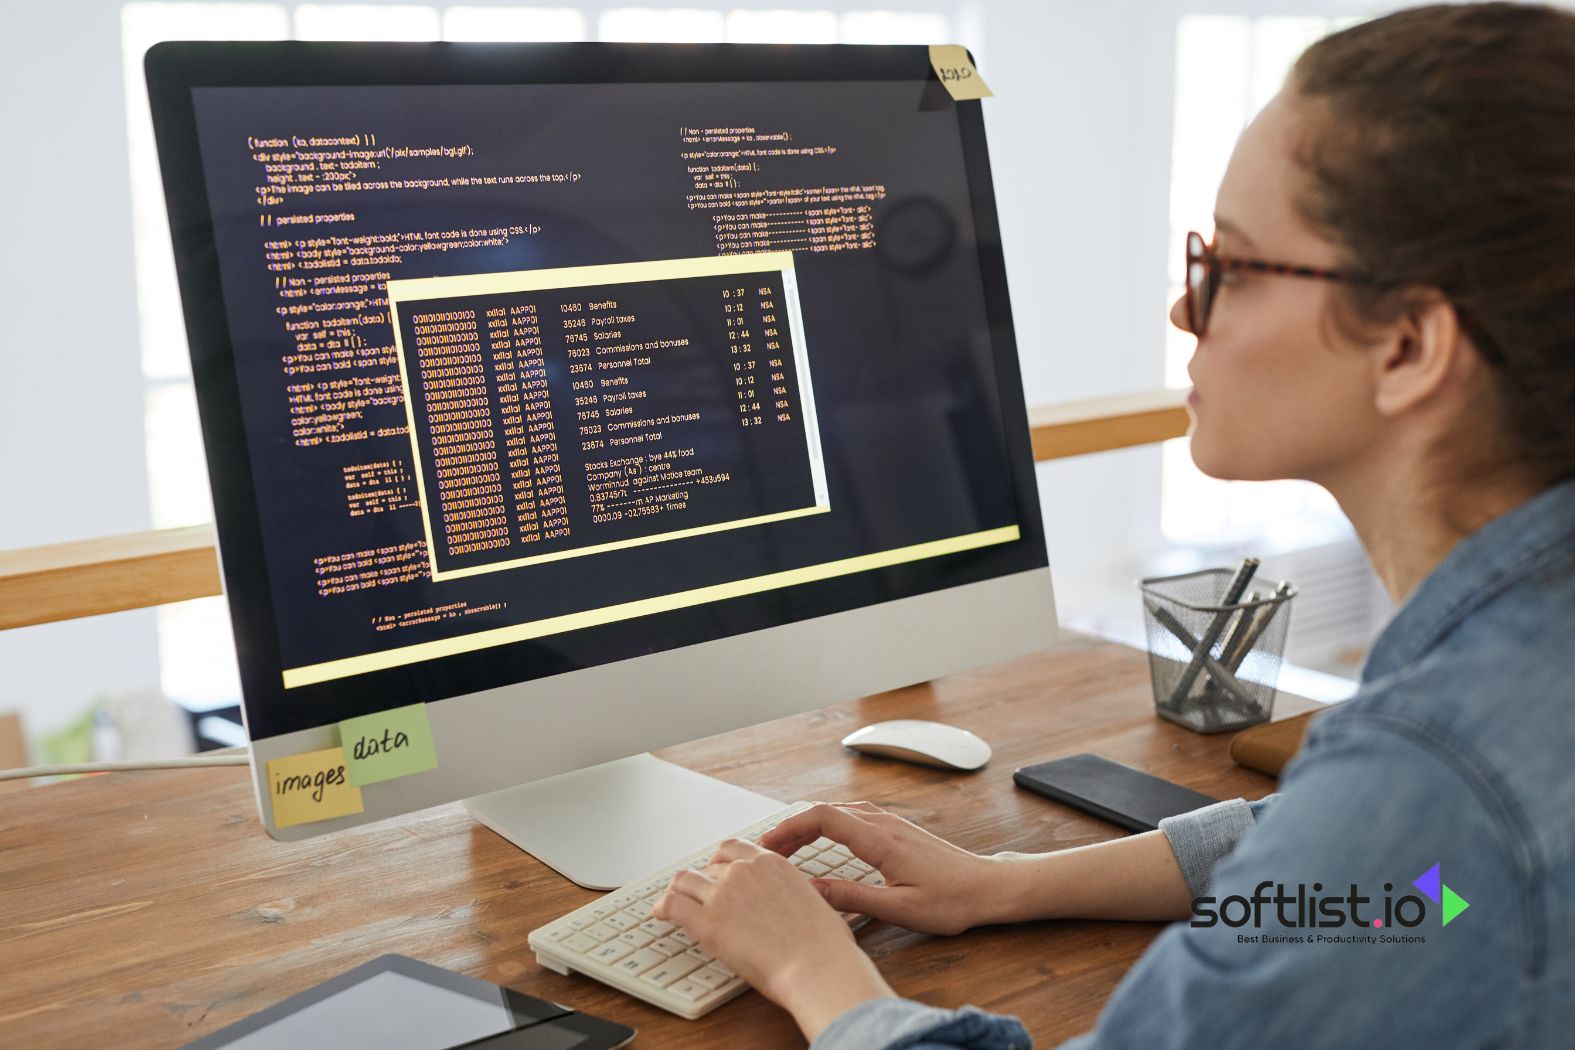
1205, 267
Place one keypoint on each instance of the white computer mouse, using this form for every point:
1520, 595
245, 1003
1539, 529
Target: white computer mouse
927, 743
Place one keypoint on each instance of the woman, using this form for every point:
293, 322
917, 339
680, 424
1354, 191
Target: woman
1388, 311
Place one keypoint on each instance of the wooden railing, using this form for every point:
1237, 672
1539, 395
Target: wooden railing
64, 581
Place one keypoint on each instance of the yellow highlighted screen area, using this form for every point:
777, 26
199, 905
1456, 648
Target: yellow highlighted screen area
409, 654
404, 293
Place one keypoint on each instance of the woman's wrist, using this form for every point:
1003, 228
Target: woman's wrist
1013, 889
818, 992
1129, 879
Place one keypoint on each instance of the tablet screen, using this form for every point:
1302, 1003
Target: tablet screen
389, 1010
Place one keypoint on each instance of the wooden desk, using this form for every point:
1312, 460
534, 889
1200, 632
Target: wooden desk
146, 909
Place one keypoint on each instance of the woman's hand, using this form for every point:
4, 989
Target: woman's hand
752, 910
931, 886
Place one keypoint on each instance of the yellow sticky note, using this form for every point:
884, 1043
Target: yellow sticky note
313, 786
956, 71
388, 744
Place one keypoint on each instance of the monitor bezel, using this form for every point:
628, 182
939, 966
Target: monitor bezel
175, 69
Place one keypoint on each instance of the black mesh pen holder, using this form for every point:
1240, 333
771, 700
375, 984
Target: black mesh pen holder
1214, 665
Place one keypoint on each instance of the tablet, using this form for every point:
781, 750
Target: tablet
398, 1003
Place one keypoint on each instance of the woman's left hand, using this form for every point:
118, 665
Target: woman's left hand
752, 910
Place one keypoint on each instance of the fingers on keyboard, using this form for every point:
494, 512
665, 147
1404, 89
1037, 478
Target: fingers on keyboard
620, 935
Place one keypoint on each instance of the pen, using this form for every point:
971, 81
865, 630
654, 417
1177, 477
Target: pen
1238, 630
1244, 704
1233, 593
1260, 624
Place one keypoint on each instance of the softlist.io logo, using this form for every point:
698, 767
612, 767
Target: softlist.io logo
1302, 908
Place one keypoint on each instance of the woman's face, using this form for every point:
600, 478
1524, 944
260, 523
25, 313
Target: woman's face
1278, 392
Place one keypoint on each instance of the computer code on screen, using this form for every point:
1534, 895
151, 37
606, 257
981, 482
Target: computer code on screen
528, 362
679, 407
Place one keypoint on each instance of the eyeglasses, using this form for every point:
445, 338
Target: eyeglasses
1205, 267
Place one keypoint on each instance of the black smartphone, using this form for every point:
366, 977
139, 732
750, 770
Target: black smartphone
1110, 791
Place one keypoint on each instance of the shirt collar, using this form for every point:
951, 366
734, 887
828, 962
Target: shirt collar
1505, 550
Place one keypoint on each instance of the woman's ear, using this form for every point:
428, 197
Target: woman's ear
1423, 353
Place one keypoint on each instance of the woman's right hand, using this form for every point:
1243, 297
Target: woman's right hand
931, 886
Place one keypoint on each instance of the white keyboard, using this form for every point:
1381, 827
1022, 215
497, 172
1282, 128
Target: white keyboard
617, 940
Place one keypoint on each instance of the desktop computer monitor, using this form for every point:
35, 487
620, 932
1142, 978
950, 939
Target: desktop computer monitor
595, 398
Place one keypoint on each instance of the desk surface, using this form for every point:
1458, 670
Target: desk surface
152, 905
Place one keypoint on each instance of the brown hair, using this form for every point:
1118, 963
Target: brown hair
1442, 156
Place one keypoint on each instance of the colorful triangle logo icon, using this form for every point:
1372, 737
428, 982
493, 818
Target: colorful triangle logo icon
1428, 883
1454, 904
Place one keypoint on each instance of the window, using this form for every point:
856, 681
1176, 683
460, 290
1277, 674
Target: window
665, 25
894, 27
513, 23
782, 27
366, 22
1227, 69
196, 650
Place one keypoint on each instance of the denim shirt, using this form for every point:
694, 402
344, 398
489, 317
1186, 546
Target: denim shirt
1458, 751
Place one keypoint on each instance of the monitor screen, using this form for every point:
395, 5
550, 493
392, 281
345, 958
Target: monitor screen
523, 378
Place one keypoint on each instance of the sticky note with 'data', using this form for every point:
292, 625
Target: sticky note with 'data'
309, 787
955, 68
388, 744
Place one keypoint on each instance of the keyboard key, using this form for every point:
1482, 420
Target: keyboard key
670, 946
611, 952
864, 869
637, 937
619, 930
578, 942
689, 991
601, 933
849, 872
671, 970
641, 961
712, 976
874, 878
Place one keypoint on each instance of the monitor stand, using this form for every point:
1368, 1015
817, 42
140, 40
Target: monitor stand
607, 825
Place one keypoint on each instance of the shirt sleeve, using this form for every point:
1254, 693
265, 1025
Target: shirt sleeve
1201, 838
1373, 808
902, 1024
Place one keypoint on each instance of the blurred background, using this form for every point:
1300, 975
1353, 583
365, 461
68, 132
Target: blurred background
1112, 122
